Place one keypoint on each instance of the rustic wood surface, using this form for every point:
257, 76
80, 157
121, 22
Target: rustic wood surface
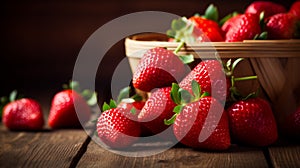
39, 149
73, 148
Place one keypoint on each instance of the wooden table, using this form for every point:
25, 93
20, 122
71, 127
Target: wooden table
74, 148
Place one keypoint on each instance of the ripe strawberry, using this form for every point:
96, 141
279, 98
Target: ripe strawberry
252, 122
192, 120
291, 125
229, 23
23, 114
66, 109
158, 68
199, 120
206, 30
295, 9
209, 74
244, 27
117, 128
281, 26
268, 7
157, 108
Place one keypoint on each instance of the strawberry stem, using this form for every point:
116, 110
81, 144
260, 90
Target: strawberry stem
245, 78
181, 44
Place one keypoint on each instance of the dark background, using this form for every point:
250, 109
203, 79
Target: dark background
40, 40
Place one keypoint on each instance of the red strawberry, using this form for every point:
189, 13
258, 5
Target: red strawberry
23, 114
229, 23
193, 119
209, 74
63, 113
206, 30
116, 129
252, 122
244, 27
295, 9
268, 7
158, 68
157, 108
291, 125
281, 26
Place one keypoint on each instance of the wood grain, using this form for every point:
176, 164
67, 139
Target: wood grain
285, 156
39, 149
236, 156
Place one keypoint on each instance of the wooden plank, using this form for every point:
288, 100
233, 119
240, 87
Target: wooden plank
39, 149
285, 156
96, 156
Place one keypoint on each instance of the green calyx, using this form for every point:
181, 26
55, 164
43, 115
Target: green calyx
124, 96
88, 95
211, 13
182, 97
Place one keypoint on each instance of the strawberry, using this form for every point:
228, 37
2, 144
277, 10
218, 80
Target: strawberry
158, 68
281, 26
295, 9
191, 121
63, 113
157, 108
229, 23
206, 30
199, 120
252, 122
118, 127
69, 109
244, 27
268, 7
291, 126
209, 74
23, 114
197, 28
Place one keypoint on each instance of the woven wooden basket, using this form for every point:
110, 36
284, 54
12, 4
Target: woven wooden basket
275, 62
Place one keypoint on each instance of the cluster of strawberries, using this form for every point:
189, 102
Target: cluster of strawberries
261, 20
25, 114
192, 104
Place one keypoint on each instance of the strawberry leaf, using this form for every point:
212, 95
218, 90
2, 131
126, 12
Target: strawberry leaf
227, 17
13, 95
196, 89
211, 13
177, 109
112, 103
174, 93
137, 97
92, 100
171, 120
74, 85
178, 24
105, 107
186, 59
124, 93
185, 96
133, 111
261, 36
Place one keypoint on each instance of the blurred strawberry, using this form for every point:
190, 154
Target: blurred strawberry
268, 7
295, 9
23, 114
291, 126
282, 26
69, 109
